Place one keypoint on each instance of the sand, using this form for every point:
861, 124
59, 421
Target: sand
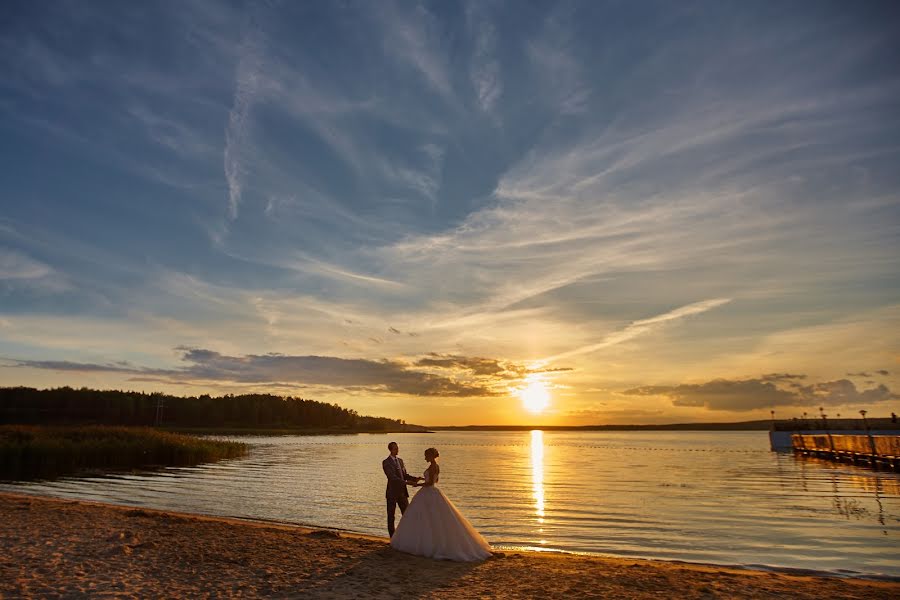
52, 548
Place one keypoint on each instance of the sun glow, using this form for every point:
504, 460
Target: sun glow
535, 397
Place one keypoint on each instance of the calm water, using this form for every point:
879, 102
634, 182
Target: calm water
718, 497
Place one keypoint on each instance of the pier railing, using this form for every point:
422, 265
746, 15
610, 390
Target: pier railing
872, 449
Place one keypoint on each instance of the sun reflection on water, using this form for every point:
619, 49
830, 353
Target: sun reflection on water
537, 475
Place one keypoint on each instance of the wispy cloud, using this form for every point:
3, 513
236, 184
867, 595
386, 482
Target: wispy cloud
20, 273
485, 68
642, 327
321, 267
14, 265
412, 36
173, 134
246, 88
563, 84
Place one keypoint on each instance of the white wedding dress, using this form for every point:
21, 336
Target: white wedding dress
431, 526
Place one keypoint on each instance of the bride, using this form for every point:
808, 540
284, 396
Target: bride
433, 527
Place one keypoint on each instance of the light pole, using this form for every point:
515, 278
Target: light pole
825, 427
869, 434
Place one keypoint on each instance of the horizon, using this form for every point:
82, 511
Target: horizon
804, 418
560, 213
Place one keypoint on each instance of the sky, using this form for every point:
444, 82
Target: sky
453, 213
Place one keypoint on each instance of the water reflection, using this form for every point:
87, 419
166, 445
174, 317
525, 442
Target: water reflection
875, 484
537, 476
847, 503
866, 479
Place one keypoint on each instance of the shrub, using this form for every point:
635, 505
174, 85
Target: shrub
29, 452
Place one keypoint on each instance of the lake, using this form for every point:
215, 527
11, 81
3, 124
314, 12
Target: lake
712, 497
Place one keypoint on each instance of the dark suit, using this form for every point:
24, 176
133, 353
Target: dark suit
396, 492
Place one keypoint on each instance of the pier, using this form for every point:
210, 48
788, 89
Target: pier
782, 432
873, 450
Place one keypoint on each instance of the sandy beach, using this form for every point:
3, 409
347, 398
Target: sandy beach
61, 548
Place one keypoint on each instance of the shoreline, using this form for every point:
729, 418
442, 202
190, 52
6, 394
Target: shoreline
77, 547
503, 548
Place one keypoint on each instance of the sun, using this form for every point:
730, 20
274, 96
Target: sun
535, 397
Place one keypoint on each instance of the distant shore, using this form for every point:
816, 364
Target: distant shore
744, 426
60, 547
758, 425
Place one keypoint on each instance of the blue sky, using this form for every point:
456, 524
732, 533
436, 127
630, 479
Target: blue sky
651, 211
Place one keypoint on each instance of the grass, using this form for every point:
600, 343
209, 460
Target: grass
32, 452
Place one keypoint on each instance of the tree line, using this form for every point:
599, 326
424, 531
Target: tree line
66, 405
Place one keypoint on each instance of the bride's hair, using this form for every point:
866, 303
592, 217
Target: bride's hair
432, 452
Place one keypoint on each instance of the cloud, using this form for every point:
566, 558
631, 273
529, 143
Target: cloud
420, 174
641, 327
844, 391
560, 72
412, 37
246, 87
868, 374
186, 141
21, 274
721, 394
484, 69
781, 377
491, 368
753, 394
478, 366
382, 376
15, 265
64, 365
308, 264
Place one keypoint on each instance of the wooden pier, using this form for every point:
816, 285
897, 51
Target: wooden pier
874, 450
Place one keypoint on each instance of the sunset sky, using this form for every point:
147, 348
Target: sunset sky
448, 212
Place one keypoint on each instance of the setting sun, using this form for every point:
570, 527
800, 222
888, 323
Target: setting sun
535, 397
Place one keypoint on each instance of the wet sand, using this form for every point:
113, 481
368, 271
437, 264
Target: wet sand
61, 548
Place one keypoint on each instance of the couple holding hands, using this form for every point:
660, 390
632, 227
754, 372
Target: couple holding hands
430, 525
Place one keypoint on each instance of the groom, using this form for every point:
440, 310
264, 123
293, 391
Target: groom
397, 480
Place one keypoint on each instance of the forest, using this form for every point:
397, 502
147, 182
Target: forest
69, 406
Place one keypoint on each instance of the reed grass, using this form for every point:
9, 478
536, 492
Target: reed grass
35, 452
